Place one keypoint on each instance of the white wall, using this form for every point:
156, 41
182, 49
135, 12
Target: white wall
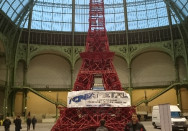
152, 67
121, 68
49, 69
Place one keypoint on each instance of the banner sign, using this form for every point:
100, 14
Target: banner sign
90, 98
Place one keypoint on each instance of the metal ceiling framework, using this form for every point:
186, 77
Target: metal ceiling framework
78, 39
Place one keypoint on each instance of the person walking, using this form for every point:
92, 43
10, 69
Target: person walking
18, 123
134, 125
102, 126
28, 121
6, 124
34, 121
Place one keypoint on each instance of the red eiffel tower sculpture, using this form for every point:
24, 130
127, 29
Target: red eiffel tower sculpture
97, 63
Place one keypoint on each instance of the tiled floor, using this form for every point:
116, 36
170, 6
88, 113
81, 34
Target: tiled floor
48, 126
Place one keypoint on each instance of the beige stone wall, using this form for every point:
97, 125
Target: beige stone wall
18, 103
3, 69
168, 97
1, 101
184, 97
38, 105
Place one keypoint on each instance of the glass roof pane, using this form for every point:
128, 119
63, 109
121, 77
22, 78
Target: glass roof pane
185, 11
13, 7
52, 15
36, 25
163, 21
114, 15
24, 21
148, 14
174, 18
15, 4
14, 16
81, 15
183, 6
10, 12
5, 7
152, 23
57, 27
57, 14
19, 9
151, 13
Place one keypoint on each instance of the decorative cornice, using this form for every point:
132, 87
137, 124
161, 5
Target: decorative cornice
120, 50
22, 51
137, 49
133, 48
33, 48
167, 45
76, 53
123, 50
67, 51
179, 48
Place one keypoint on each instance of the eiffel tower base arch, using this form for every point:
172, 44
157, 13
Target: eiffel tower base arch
88, 119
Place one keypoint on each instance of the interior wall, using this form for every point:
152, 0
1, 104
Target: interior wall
1, 47
121, 68
152, 68
77, 67
2, 96
3, 69
168, 97
182, 69
41, 107
49, 69
184, 98
18, 103
2, 63
19, 73
148, 67
140, 94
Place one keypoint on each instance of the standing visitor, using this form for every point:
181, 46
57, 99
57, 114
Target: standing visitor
102, 126
28, 123
34, 121
134, 125
18, 123
6, 124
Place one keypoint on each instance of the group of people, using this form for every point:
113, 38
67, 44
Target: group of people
18, 123
133, 125
29, 121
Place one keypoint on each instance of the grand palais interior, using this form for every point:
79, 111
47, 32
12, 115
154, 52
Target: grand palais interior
41, 42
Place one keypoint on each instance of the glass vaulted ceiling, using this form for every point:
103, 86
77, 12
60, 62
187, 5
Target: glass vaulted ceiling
56, 15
